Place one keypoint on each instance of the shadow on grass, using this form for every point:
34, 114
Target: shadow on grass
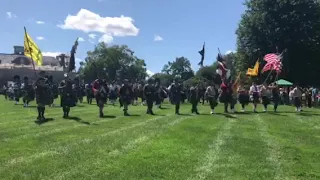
226, 115
108, 117
77, 119
40, 122
30, 106
134, 115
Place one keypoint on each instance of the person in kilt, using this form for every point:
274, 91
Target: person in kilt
255, 95
126, 96
275, 96
194, 97
67, 99
101, 91
211, 96
149, 94
28, 93
17, 88
89, 93
265, 96
43, 95
226, 96
243, 97
175, 91
158, 93
54, 87
113, 93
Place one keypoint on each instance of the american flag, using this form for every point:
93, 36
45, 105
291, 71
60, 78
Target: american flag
273, 62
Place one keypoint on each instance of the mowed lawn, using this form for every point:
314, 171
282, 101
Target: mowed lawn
285, 145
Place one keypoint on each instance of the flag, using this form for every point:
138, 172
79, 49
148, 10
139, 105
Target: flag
72, 63
236, 83
202, 52
222, 69
273, 62
255, 70
31, 49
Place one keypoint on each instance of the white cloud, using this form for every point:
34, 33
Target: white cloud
92, 36
150, 73
80, 39
40, 38
157, 38
10, 15
230, 51
106, 38
40, 22
88, 21
52, 54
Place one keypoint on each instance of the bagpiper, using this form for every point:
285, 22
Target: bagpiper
149, 93
126, 96
27, 92
67, 99
17, 88
101, 91
176, 91
194, 97
43, 95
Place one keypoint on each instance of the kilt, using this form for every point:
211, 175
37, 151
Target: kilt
29, 95
67, 100
225, 98
265, 100
297, 101
244, 99
101, 98
255, 98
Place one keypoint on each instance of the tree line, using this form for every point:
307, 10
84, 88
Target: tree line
265, 27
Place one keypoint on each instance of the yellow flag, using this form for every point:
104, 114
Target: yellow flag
31, 50
254, 71
236, 83
256, 68
250, 72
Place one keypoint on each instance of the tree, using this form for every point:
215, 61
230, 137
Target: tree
181, 66
113, 63
284, 24
165, 79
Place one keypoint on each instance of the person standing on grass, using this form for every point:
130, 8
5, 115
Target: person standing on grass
158, 93
254, 93
17, 89
149, 94
243, 97
67, 99
265, 94
101, 91
211, 96
226, 96
194, 97
43, 95
297, 95
126, 96
175, 91
275, 95
27, 91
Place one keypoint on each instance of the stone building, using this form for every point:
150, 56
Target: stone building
18, 64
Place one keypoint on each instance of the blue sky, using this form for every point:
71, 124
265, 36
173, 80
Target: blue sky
157, 31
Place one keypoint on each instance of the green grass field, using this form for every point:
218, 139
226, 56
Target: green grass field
285, 145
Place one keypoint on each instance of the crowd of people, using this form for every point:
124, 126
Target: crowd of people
72, 91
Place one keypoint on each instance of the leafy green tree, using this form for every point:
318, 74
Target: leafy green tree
165, 79
113, 63
181, 67
291, 24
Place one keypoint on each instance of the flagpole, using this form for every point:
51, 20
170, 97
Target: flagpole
27, 39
